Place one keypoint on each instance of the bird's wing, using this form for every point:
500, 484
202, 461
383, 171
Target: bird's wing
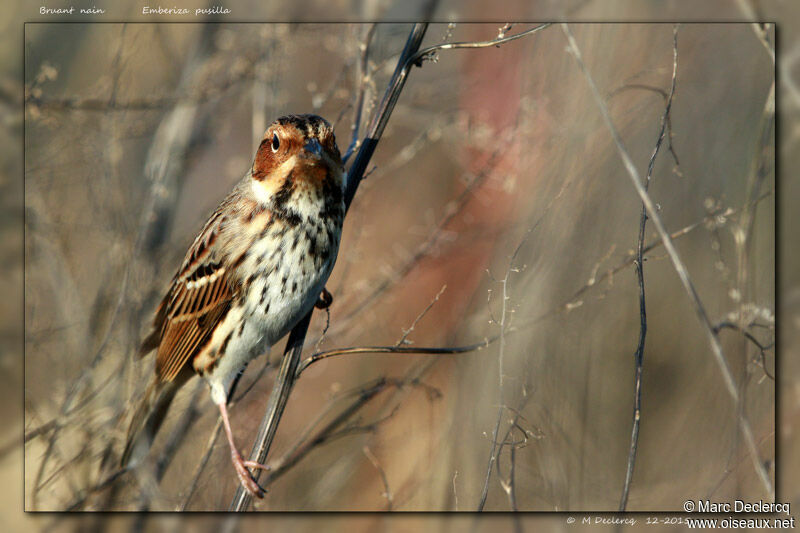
198, 299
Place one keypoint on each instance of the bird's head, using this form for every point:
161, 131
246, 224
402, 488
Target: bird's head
298, 153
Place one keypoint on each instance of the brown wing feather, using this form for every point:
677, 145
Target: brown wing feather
198, 299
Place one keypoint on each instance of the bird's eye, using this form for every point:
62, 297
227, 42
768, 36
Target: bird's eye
276, 143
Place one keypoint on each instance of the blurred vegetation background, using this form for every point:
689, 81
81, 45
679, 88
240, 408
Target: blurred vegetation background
133, 133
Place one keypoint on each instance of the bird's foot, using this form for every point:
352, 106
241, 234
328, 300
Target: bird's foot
325, 300
245, 477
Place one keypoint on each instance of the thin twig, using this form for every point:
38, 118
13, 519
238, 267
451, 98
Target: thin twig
501, 353
428, 52
749, 336
455, 491
759, 28
509, 484
382, 114
680, 268
387, 493
503, 324
415, 350
639, 355
739, 461
504, 329
760, 167
407, 332
361, 76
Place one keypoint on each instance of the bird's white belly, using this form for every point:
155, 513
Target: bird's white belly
273, 304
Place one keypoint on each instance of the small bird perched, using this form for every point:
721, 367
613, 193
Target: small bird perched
258, 266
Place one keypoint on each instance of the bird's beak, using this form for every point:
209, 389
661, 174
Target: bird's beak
312, 150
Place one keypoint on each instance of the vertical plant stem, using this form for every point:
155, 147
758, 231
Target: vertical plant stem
639, 355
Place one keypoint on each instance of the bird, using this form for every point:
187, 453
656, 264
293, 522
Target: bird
258, 266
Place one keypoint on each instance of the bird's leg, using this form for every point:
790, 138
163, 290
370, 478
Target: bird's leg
325, 300
239, 464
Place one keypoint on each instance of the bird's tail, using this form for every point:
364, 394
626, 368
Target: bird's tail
147, 419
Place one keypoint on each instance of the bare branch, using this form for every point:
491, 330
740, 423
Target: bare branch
505, 328
639, 355
407, 332
426, 53
362, 78
762, 348
495, 451
417, 350
387, 493
680, 268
